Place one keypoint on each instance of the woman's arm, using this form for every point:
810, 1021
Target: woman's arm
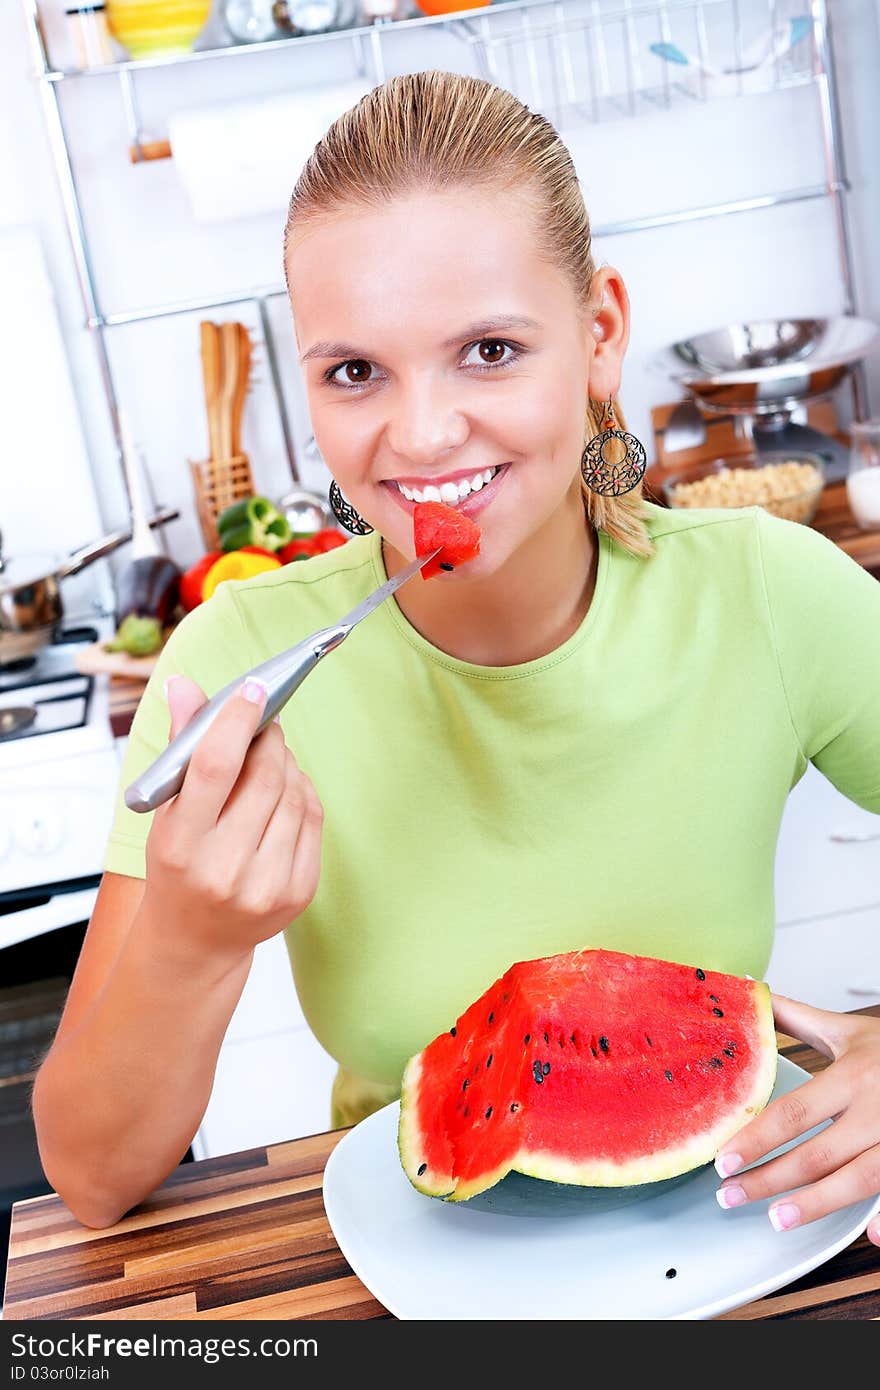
124, 1087
231, 860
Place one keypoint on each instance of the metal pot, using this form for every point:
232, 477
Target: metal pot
30, 595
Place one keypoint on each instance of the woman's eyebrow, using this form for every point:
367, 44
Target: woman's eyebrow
498, 323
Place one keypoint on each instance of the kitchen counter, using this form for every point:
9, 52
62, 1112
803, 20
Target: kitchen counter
245, 1236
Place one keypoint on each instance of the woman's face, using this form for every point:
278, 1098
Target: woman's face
442, 350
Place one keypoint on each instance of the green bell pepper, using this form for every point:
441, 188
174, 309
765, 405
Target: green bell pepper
253, 521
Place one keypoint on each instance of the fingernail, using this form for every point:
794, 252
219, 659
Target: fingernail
725, 1164
276, 719
783, 1217
167, 687
731, 1196
254, 690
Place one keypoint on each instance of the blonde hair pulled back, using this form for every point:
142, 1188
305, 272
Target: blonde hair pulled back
441, 130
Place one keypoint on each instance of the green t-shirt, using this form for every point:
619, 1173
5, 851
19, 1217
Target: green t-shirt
626, 790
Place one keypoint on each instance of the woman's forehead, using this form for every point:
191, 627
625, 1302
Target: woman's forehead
456, 255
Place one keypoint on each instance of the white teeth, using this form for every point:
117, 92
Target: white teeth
450, 493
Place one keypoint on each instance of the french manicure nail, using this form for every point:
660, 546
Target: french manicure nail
255, 691
731, 1196
725, 1164
783, 1217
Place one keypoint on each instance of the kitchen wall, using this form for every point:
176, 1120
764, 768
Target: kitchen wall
147, 248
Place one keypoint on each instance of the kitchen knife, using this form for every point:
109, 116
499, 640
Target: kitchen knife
282, 675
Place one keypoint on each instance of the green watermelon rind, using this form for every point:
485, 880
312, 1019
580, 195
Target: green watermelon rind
559, 1169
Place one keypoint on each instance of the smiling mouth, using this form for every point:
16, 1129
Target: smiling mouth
452, 493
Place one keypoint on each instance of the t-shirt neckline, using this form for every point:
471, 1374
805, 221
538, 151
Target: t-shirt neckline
566, 649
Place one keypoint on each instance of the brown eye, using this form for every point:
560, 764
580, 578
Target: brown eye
491, 350
357, 371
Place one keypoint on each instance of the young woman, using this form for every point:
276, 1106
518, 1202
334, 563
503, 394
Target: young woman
586, 736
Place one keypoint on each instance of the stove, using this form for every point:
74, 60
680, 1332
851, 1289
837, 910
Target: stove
59, 769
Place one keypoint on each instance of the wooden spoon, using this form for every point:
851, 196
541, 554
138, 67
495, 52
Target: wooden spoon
211, 374
242, 385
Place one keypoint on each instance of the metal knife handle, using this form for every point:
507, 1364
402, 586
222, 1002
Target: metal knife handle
282, 675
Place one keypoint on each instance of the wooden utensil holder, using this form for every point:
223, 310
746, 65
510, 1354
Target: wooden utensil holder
218, 483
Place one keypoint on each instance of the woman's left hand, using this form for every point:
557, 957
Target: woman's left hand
835, 1168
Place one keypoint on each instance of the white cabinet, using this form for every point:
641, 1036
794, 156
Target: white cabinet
828, 856
266, 1090
827, 945
269, 1002
832, 962
273, 1078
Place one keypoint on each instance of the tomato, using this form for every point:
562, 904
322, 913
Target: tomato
192, 582
327, 539
301, 548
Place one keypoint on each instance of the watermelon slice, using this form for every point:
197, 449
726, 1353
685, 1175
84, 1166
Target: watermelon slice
593, 1068
436, 524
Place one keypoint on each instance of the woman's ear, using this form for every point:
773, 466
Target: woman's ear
608, 330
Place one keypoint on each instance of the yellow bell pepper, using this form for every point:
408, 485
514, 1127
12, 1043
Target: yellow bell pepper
237, 564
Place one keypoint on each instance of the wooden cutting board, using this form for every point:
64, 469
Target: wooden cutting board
94, 661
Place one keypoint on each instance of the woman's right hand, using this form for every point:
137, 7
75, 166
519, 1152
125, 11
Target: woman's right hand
235, 856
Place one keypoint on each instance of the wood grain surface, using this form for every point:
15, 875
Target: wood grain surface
246, 1237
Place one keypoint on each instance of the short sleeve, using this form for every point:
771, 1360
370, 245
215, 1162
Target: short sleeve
210, 645
825, 615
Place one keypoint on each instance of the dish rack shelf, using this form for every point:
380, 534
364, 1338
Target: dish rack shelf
577, 61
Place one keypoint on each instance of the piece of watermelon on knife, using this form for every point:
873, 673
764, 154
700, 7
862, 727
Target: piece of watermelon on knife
436, 524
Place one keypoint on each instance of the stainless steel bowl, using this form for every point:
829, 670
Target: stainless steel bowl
767, 366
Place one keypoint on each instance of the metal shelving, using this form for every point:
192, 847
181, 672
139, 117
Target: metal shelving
575, 60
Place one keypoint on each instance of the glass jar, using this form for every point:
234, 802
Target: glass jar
863, 477
250, 21
91, 37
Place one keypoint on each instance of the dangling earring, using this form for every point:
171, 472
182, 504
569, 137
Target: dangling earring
345, 513
613, 479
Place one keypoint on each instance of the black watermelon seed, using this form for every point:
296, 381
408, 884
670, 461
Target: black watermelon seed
445, 565
546, 1037
668, 1075
465, 1083
504, 998
714, 998
452, 1032
671, 1273
423, 1169
546, 1069
603, 1043
715, 1062
489, 1113
537, 1072
648, 1041
492, 1018
719, 1013
489, 1060
527, 1038
727, 1052
593, 1050
701, 974
573, 1038
467, 1111
515, 1106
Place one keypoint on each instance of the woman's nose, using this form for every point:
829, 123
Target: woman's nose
425, 422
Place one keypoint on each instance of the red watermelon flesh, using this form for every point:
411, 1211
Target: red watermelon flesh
594, 1068
436, 524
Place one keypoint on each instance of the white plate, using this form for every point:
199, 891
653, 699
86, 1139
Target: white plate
428, 1259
